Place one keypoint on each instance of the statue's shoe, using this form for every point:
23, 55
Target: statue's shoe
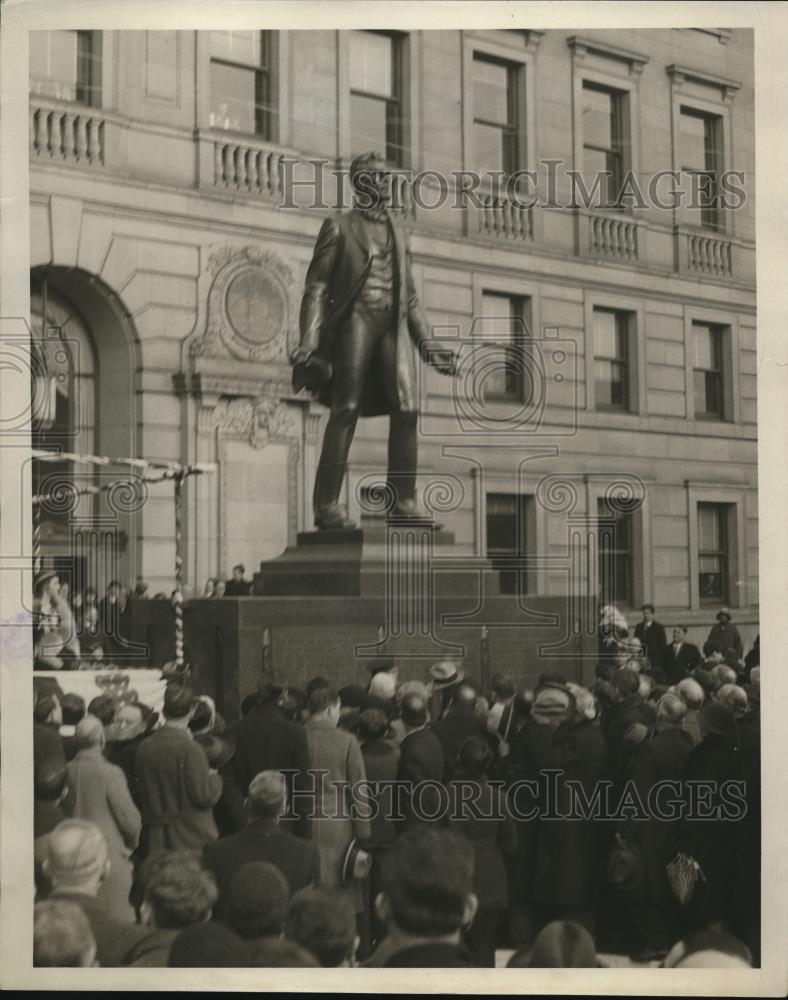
333, 520
406, 510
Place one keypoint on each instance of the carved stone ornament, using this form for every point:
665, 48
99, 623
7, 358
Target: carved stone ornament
258, 420
250, 317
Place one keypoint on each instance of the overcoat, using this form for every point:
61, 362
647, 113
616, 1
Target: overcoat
569, 851
338, 819
176, 790
101, 796
340, 265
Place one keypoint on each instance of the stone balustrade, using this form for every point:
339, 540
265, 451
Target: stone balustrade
709, 254
504, 219
613, 236
70, 134
247, 166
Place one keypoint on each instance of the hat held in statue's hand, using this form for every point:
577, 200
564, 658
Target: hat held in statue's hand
310, 371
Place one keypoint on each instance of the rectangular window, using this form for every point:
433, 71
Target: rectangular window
712, 553
506, 539
616, 533
66, 65
502, 326
376, 95
241, 83
495, 115
603, 144
708, 372
611, 360
700, 144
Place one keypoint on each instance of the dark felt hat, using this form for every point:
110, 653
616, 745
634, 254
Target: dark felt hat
218, 749
355, 864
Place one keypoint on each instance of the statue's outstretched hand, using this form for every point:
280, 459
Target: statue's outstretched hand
444, 361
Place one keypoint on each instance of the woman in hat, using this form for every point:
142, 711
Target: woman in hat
569, 850
55, 641
209, 730
724, 638
711, 837
491, 829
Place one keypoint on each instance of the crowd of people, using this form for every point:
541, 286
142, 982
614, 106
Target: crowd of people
420, 822
78, 630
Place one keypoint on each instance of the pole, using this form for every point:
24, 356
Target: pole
484, 644
177, 597
36, 541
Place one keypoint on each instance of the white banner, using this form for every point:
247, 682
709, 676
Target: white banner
145, 686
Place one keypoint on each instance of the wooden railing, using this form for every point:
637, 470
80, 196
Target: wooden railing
67, 134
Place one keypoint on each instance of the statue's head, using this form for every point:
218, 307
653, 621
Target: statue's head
370, 178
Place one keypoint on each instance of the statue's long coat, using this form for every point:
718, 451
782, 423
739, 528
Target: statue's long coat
340, 266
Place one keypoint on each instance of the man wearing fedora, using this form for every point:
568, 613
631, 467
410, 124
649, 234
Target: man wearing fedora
445, 676
724, 637
360, 320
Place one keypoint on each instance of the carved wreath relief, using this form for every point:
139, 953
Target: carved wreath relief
249, 307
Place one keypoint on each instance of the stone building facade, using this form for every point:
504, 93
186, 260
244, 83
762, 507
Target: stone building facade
169, 248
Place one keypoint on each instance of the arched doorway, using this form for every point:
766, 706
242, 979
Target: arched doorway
84, 403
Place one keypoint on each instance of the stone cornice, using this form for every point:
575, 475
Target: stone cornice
679, 74
581, 45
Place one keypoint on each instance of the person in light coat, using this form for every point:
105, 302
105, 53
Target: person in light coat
338, 819
102, 797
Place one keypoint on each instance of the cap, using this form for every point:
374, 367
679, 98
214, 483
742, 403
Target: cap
551, 700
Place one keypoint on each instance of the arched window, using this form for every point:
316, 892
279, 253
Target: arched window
63, 410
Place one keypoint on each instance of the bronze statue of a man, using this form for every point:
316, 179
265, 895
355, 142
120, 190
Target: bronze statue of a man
360, 321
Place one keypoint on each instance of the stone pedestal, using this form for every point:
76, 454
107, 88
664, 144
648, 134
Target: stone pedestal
337, 599
397, 559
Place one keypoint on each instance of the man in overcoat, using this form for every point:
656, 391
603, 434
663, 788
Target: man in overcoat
360, 320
